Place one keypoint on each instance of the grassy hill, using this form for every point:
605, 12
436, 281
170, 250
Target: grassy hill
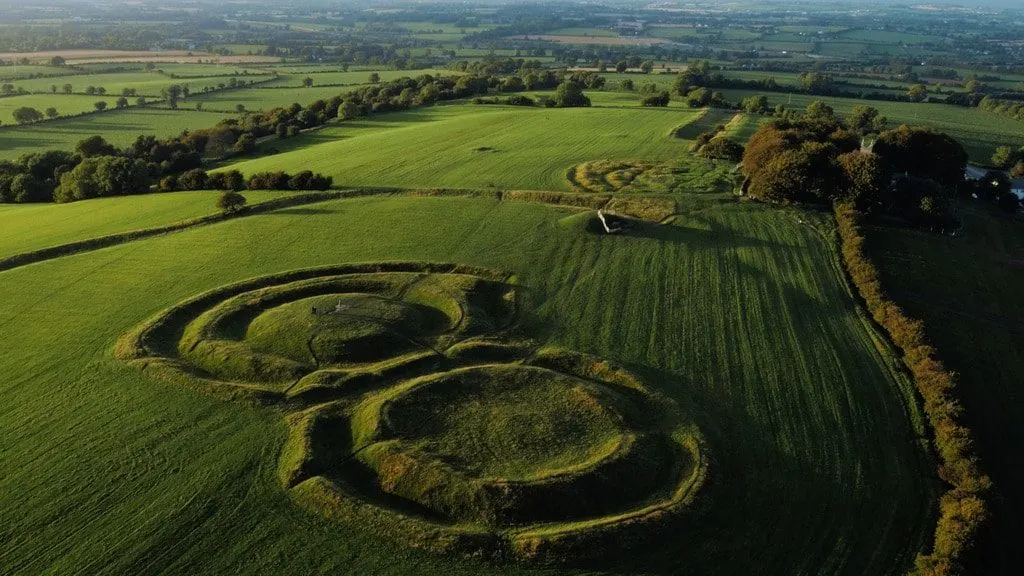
737, 312
474, 146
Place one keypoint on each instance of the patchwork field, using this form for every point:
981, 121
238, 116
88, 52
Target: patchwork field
755, 346
120, 127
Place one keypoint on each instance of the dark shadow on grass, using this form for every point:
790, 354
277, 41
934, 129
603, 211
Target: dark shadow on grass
302, 212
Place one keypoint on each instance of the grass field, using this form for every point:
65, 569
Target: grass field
265, 98
970, 301
120, 127
66, 104
27, 227
146, 83
738, 312
473, 146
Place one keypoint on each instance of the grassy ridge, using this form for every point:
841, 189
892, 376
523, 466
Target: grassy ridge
470, 146
756, 337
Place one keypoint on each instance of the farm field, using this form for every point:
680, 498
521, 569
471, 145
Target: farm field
415, 148
145, 83
66, 104
120, 127
264, 98
754, 336
969, 300
27, 227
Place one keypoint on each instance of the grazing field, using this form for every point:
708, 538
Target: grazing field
145, 83
66, 104
120, 127
736, 313
27, 227
263, 98
473, 146
967, 290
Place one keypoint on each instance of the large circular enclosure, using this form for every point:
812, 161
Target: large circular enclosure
421, 410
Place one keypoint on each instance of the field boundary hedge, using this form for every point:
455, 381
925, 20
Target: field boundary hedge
23, 259
653, 208
963, 508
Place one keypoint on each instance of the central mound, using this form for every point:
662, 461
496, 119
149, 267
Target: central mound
340, 328
501, 422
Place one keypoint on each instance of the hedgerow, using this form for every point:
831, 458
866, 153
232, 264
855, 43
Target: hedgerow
963, 509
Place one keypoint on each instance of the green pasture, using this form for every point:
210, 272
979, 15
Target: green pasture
264, 98
145, 83
66, 104
20, 71
120, 127
736, 311
474, 146
28, 227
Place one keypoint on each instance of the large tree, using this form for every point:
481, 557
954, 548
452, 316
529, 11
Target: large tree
570, 95
26, 115
924, 153
103, 176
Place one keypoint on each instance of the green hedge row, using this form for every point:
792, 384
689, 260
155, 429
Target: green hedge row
963, 509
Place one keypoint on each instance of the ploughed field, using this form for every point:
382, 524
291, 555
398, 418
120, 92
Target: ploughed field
456, 385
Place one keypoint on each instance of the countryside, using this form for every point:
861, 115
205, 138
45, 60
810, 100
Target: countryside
524, 288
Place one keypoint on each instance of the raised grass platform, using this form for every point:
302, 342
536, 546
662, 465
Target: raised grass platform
422, 411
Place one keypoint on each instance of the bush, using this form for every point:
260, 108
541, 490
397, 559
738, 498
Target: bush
659, 99
195, 179
304, 180
520, 100
228, 180
230, 202
722, 148
168, 183
268, 181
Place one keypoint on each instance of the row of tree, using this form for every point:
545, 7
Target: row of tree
199, 179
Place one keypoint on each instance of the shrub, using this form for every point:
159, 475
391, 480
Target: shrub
520, 100
963, 508
195, 179
228, 180
268, 181
722, 148
230, 202
659, 99
168, 183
